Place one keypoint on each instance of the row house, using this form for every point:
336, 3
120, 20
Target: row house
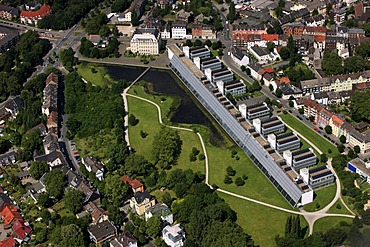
203, 32
241, 30
250, 40
294, 29
50, 94
32, 17
315, 31
314, 21
312, 108
323, 117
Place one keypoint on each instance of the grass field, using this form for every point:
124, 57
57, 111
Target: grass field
262, 223
322, 225
323, 197
148, 122
311, 135
95, 74
341, 210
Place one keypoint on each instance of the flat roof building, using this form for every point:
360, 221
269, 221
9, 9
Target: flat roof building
224, 75
318, 176
360, 167
259, 110
269, 126
212, 63
283, 142
202, 52
300, 158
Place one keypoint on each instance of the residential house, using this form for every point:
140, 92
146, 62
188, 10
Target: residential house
41, 128
160, 210
321, 97
124, 240
87, 193
50, 142
134, 184
179, 31
52, 121
335, 124
323, 118
183, 16
8, 158
173, 236
263, 55
21, 230
95, 166
146, 41
4, 201
203, 32
98, 215
31, 17
137, 7
8, 12
360, 136
288, 90
9, 38
256, 70
102, 232
312, 108
141, 201
239, 57
9, 242
166, 31
95, 39
53, 159
314, 21
10, 213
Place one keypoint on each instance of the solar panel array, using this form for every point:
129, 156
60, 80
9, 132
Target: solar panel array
317, 169
307, 156
314, 177
284, 135
298, 152
290, 139
304, 187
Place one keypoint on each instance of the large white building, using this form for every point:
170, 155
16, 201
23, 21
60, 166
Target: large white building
179, 31
173, 236
146, 41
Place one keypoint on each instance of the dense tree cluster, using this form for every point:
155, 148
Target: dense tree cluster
16, 64
88, 49
67, 58
166, 147
208, 220
98, 25
54, 182
360, 110
38, 169
298, 73
120, 5
91, 109
67, 13
73, 200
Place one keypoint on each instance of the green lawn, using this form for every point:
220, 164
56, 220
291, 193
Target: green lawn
341, 210
323, 197
99, 77
148, 122
256, 187
311, 135
322, 225
262, 223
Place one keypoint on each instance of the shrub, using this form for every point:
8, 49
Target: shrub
338, 206
329, 151
239, 181
285, 112
202, 157
245, 177
237, 157
234, 152
132, 120
228, 180
143, 134
195, 151
192, 157
230, 171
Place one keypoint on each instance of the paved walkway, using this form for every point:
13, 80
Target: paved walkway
311, 217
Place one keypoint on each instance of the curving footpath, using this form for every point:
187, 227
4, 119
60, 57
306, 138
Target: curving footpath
311, 217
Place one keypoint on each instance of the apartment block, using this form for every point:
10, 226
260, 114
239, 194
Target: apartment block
192, 53
224, 75
250, 112
300, 158
269, 126
317, 177
283, 142
204, 63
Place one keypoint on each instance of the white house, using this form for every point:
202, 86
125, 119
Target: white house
178, 31
173, 236
94, 165
53, 159
239, 57
263, 55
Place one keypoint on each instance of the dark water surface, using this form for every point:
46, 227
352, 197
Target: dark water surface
165, 82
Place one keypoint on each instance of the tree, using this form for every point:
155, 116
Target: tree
166, 147
232, 13
38, 169
239, 181
73, 200
315, 12
230, 171
134, 19
291, 103
136, 165
115, 215
115, 189
340, 148
284, 53
278, 93
132, 120
153, 226
324, 158
357, 149
328, 129
366, 28
228, 180
71, 236
188, 43
343, 139
301, 110
44, 200
270, 46
243, 68
54, 182
197, 43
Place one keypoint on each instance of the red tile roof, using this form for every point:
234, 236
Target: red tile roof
52, 78
270, 37
337, 121
313, 104
8, 242
45, 10
134, 183
269, 70
9, 214
320, 38
21, 229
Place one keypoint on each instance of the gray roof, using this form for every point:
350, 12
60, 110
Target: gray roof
237, 52
241, 136
51, 157
160, 209
24, 174
148, 30
4, 199
261, 51
123, 240
102, 230
141, 196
